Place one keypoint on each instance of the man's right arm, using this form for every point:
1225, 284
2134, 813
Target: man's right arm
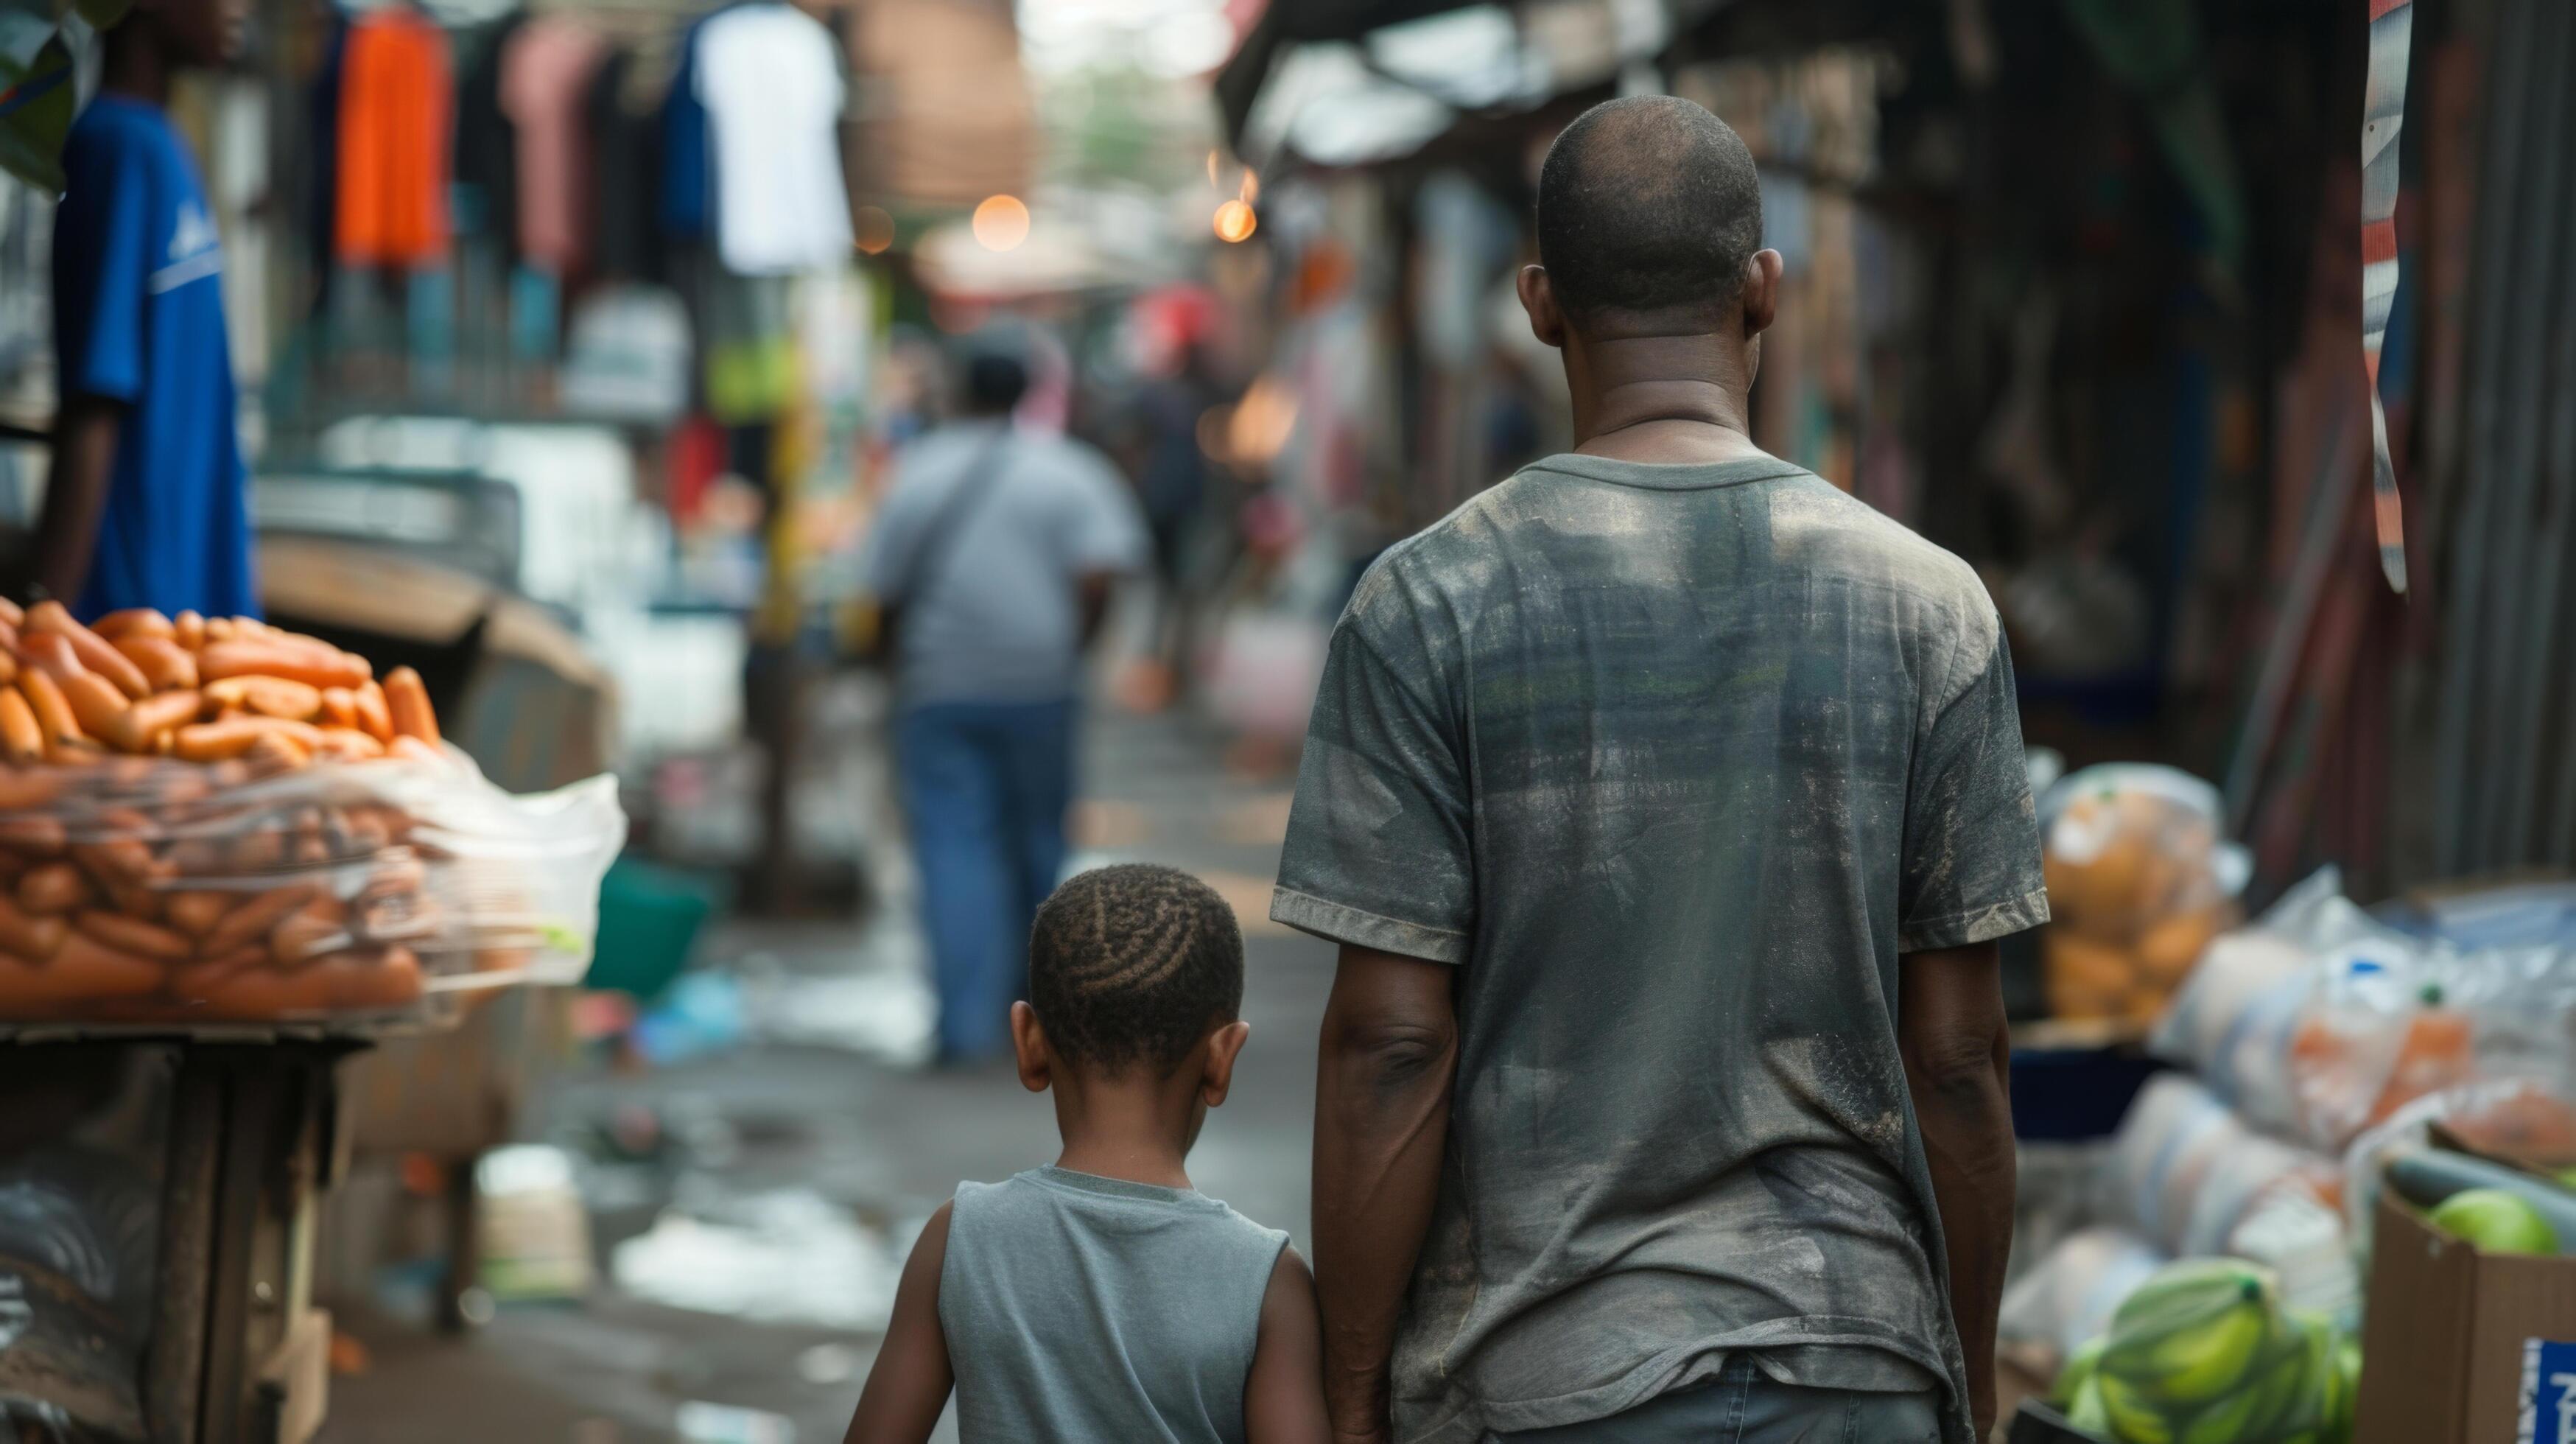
1388, 1055
75, 494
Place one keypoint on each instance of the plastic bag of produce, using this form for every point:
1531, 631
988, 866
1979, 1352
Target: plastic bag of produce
2069, 1296
2138, 885
2185, 1170
218, 822
2203, 1353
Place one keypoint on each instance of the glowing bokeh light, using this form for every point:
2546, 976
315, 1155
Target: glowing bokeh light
1235, 222
872, 229
1002, 222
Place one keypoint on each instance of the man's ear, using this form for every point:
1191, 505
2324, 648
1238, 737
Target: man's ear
1761, 293
1538, 297
1029, 1047
1224, 1046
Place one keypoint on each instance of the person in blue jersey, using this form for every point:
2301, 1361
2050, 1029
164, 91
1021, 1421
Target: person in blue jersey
146, 504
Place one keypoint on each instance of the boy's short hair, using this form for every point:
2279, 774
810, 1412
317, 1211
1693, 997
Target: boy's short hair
1133, 964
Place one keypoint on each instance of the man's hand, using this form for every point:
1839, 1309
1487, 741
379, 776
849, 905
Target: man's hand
1950, 1027
1388, 1054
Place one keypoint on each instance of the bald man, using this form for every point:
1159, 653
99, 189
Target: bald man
1667, 804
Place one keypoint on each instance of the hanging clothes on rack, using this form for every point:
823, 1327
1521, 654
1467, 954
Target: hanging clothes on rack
545, 73
624, 193
487, 144
395, 95
769, 76
688, 176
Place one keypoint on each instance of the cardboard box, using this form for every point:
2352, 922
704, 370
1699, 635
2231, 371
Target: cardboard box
2463, 1347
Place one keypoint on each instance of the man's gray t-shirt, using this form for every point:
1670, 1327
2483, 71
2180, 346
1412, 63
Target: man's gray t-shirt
1673, 762
997, 617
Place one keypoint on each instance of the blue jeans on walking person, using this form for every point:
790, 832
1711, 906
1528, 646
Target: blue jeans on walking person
986, 786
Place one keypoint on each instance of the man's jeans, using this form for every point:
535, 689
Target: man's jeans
1746, 1406
986, 786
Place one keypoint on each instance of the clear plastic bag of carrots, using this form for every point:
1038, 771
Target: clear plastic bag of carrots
209, 820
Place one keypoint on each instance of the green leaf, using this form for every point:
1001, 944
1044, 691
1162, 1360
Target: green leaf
35, 114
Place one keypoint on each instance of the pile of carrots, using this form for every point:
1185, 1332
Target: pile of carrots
152, 866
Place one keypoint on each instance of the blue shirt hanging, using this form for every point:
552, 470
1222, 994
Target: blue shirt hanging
139, 319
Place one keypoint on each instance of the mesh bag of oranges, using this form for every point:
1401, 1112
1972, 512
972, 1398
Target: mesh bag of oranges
209, 820
2137, 888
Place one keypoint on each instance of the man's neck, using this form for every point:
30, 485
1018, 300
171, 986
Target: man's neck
1671, 399
133, 67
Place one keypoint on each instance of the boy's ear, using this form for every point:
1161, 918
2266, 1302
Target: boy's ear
1029, 1047
1224, 1046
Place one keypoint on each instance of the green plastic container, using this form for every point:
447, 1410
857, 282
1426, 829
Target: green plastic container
649, 916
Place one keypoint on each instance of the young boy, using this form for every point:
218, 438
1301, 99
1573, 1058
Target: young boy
1102, 1297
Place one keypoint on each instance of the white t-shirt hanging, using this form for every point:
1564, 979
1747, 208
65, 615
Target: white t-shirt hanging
770, 78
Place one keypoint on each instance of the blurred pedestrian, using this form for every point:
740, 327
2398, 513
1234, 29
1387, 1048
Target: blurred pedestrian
992, 561
146, 504
1667, 804
1103, 1297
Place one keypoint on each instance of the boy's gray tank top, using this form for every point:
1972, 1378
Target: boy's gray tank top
1081, 1308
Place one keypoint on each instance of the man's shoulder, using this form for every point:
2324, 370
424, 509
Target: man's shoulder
1827, 531
1450, 557
111, 127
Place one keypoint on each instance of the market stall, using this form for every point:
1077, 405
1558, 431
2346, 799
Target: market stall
234, 858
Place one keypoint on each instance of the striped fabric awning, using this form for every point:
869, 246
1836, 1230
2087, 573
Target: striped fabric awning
2383, 116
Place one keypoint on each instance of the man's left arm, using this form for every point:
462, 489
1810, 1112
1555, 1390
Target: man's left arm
1957, 1053
1971, 876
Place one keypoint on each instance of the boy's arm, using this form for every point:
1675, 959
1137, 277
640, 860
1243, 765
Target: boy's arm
1958, 1057
1283, 1399
1388, 1056
909, 1383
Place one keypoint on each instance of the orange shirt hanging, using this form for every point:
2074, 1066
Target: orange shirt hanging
395, 102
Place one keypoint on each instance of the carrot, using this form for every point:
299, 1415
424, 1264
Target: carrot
374, 716
251, 920
30, 936
26, 791
195, 912
57, 887
137, 727
146, 940
218, 629
54, 619
165, 664
117, 859
34, 835
8, 668
95, 703
10, 613
408, 700
20, 737
214, 741
272, 658
49, 653
53, 712
275, 752
134, 622
188, 630
339, 706
348, 743
84, 967
390, 979
268, 696
307, 933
